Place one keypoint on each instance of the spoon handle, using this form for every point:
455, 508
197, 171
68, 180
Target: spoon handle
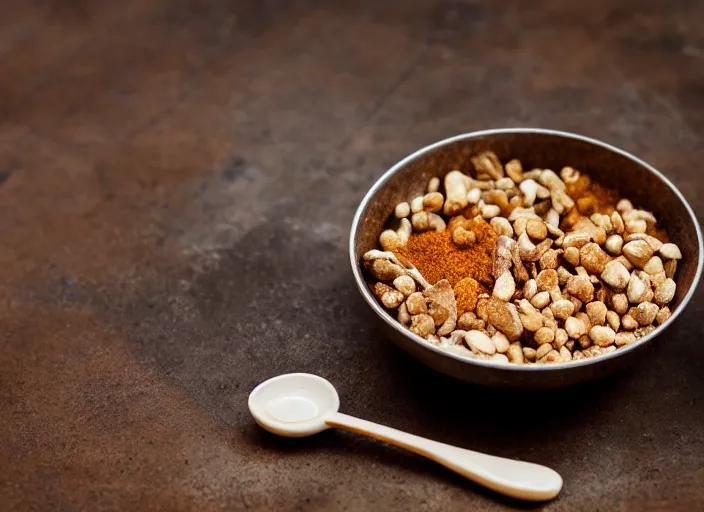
518, 479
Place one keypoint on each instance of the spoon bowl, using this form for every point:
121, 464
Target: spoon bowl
300, 404
294, 405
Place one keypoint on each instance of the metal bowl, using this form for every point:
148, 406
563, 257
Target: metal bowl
612, 167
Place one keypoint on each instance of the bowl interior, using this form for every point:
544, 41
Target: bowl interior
613, 168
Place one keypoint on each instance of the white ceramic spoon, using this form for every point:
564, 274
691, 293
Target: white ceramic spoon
300, 404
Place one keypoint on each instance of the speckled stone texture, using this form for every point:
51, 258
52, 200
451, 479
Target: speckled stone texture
179, 180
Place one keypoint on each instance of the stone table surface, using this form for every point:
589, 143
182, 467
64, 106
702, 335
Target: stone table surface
179, 178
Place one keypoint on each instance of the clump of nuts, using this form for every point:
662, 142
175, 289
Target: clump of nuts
574, 273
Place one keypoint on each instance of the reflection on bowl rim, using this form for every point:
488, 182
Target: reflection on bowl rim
386, 317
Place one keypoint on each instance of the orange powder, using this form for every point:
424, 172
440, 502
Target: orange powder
437, 257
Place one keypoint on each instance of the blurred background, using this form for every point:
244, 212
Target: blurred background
178, 182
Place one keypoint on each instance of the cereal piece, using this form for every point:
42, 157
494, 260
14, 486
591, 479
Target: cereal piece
602, 335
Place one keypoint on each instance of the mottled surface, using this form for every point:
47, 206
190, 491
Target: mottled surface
178, 183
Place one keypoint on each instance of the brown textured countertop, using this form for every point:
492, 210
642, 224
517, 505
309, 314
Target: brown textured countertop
179, 181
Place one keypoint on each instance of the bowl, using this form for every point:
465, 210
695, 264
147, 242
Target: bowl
610, 166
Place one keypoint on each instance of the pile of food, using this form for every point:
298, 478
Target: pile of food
524, 267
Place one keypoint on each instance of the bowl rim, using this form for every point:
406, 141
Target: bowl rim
393, 323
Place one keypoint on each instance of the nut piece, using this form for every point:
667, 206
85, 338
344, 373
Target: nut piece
422, 325
576, 239
645, 313
442, 298
613, 320
663, 315
562, 309
581, 288
425, 221
597, 312
502, 226
403, 317
479, 342
405, 284
565, 354
636, 226
529, 353
619, 303
466, 321
504, 287
416, 303
571, 255
574, 327
593, 258
544, 335
504, 316
530, 289
547, 280
670, 251
434, 184
514, 170
402, 210
456, 185
384, 270
433, 201
624, 338
601, 335
614, 244
638, 252
515, 351
654, 266
670, 267
417, 204
390, 241
542, 351
388, 296
637, 290
474, 195
615, 275
540, 300
617, 222
488, 166
536, 229
490, 211
550, 259
501, 342
463, 237
628, 322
